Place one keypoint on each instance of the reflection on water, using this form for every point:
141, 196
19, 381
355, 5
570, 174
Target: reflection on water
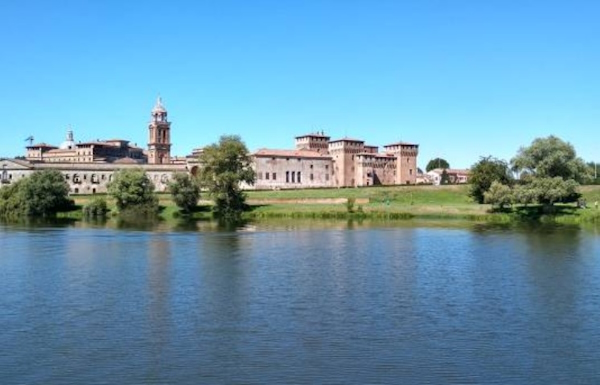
299, 302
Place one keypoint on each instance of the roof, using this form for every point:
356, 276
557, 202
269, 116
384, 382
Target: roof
126, 160
61, 151
401, 144
42, 145
347, 140
314, 135
291, 153
377, 155
159, 107
450, 171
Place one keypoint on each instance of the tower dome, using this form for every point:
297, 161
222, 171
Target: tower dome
159, 107
69, 143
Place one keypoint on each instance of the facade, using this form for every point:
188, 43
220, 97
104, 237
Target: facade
316, 162
88, 167
455, 176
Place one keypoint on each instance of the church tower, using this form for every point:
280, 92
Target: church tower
159, 142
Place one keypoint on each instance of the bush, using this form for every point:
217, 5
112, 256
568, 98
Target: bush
499, 195
97, 208
133, 191
42, 194
350, 204
185, 192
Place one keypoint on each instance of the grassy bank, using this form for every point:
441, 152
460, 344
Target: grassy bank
381, 203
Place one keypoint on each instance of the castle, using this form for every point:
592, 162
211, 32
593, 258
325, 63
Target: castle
316, 161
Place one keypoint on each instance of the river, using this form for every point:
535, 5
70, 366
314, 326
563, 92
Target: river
299, 303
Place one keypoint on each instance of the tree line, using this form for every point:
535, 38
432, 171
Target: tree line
546, 172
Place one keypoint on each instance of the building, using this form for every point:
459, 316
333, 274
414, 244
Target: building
315, 162
455, 176
319, 161
88, 167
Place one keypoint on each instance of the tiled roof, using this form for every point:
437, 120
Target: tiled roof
44, 145
290, 153
347, 140
313, 135
401, 144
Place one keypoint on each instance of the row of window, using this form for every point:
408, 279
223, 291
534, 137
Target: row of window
290, 176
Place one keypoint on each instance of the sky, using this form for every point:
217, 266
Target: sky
461, 78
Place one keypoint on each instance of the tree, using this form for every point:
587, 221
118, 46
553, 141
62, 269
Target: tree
96, 208
437, 163
547, 191
444, 178
499, 195
551, 157
42, 194
185, 192
593, 169
225, 166
133, 190
484, 173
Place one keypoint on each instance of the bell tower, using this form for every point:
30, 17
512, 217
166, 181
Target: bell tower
159, 139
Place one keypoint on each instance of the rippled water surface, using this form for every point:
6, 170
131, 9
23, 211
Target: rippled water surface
299, 305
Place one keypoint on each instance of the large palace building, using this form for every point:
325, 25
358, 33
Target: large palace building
316, 161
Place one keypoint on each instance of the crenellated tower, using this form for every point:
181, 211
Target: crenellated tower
159, 142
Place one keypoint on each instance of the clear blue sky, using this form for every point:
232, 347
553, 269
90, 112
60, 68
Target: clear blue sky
461, 78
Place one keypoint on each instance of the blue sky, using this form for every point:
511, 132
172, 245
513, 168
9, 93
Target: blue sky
462, 78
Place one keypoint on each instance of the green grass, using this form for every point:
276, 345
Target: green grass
385, 203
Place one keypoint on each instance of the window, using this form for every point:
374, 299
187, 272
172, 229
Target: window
410, 172
267, 175
327, 177
274, 176
311, 166
299, 177
259, 175
312, 177
293, 177
287, 177
326, 167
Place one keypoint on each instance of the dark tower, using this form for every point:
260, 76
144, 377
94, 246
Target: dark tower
159, 142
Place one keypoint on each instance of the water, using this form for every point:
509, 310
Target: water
300, 304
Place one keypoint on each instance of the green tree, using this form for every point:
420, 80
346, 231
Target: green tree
484, 173
437, 163
133, 191
185, 192
444, 178
498, 195
96, 208
547, 191
593, 171
225, 166
41, 194
551, 157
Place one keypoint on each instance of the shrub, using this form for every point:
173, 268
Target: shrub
97, 208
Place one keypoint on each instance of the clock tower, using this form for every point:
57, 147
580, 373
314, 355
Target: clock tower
159, 142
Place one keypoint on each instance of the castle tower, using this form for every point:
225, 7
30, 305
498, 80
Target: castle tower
315, 142
159, 142
406, 161
343, 152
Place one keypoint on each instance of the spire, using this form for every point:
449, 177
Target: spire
159, 107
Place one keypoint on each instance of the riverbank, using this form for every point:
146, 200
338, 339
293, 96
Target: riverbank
385, 203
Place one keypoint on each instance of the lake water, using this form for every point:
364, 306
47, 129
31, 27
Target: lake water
299, 303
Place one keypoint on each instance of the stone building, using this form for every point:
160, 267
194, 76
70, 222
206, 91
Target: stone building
316, 162
88, 167
338, 163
